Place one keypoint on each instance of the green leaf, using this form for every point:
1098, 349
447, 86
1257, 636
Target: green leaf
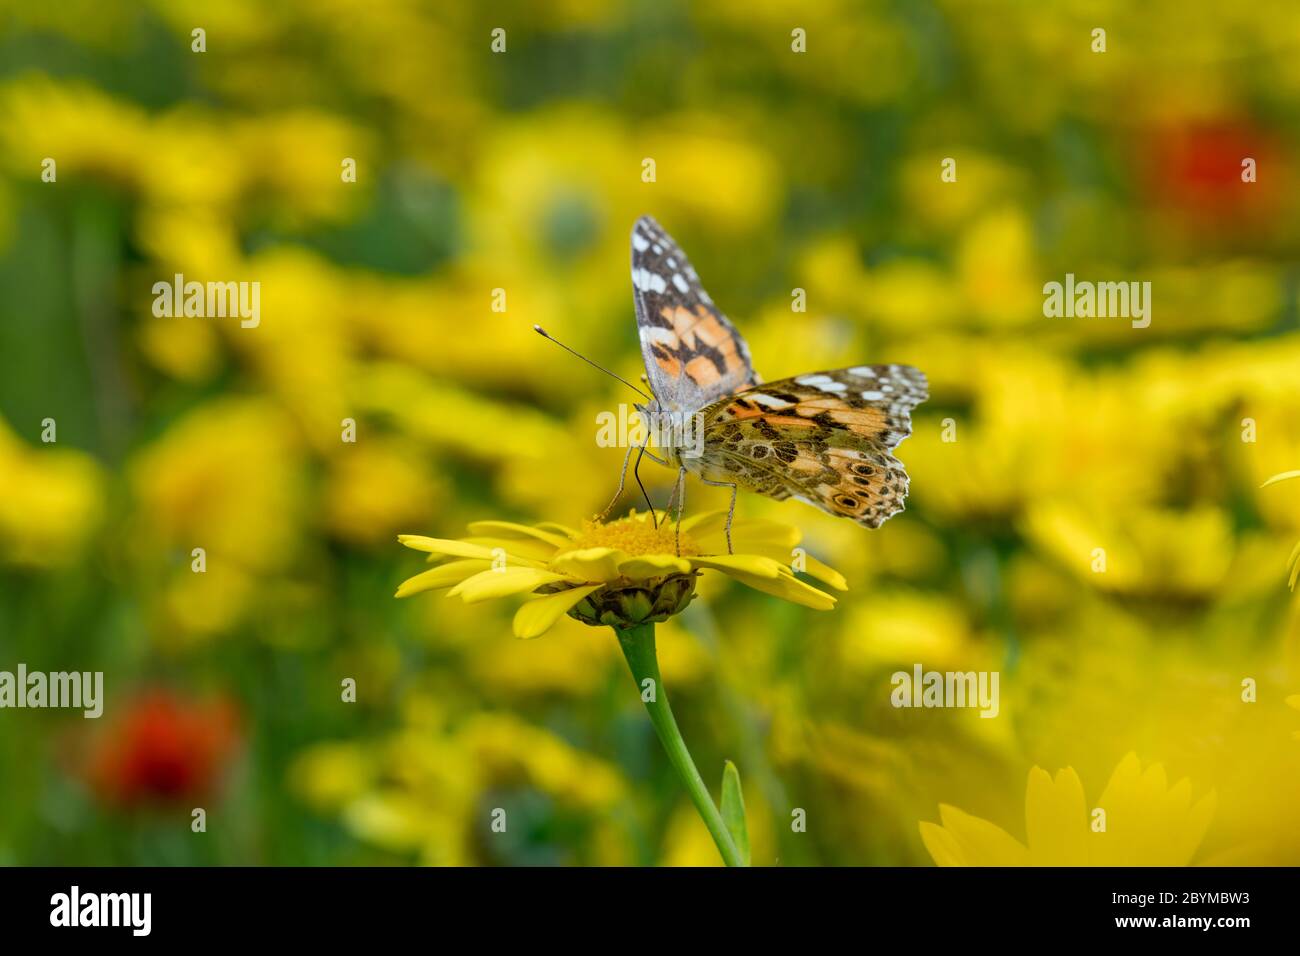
733, 810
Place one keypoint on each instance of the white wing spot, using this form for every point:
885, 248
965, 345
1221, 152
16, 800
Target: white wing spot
639, 242
647, 281
678, 281
770, 401
823, 383
873, 396
863, 371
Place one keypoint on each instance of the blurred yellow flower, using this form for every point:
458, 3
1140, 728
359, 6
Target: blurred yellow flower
186, 157
903, 625
377, 486
986, 182
51, 502
1139, 820
420, 789
226, 479
712, 173
85, 129
997, 269
1185, 553
619, 573
455, 420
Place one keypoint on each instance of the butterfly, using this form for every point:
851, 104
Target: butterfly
825, 438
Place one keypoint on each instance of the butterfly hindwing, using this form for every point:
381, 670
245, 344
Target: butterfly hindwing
693, 354
825, 438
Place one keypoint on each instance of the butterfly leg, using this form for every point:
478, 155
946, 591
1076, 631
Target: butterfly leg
679, 495
636, 473
622, 480
731, 512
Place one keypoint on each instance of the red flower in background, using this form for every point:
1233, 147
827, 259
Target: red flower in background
1195, 168
162, 749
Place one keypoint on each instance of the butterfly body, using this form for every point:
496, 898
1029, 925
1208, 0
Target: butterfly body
825, 438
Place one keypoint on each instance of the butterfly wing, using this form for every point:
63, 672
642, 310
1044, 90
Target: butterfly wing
693, 354
825, 438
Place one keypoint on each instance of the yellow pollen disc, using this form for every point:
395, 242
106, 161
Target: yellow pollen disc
633, 536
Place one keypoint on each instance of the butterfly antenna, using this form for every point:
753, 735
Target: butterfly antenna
546, 335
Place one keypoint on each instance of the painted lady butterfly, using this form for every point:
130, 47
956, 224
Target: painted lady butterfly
824, 438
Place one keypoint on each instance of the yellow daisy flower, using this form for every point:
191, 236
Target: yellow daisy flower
1139, 820
622, 573
629, 574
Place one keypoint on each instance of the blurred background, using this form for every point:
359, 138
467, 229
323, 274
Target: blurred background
522, 170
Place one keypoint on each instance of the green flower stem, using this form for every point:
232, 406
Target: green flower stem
638, 643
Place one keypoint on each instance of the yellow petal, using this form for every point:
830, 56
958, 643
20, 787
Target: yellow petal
752, 535
500, 582
779, 582
981, 842
527, 551
790, 588
590, 564
444, 575
943, 846
753, 564
783, 554
1056, 819
1123, 782
459, 549
760, 529
1198, 821
705, 523
652, 566
557, 528
508, 529
824, 573
535, 617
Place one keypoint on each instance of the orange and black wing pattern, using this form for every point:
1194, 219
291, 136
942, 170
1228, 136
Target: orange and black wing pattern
825, 438
693, 354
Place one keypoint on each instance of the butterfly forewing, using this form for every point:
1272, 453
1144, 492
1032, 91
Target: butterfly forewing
693, 354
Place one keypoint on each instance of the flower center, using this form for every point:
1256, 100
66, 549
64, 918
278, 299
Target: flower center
634, 535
